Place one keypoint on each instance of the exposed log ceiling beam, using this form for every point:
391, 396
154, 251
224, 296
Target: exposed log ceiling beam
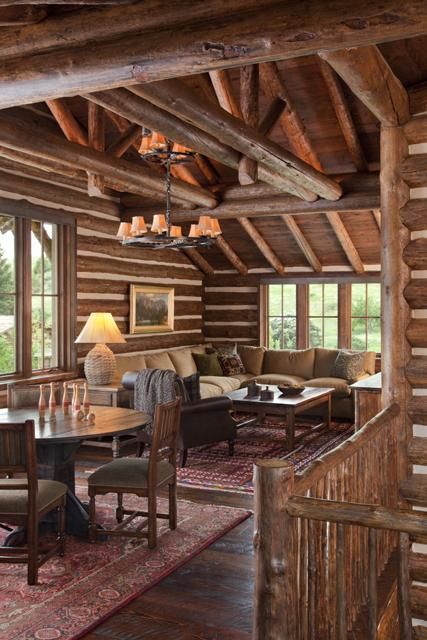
96, 140
253, 32
262, 244
63, 115
290, 120
83, 3
199, 261
176, 98
24, 14
249, 95
342, 111
205, 166
22, 137
369, 76
303, 243
125, 140
346, 242
361, 193
271, 116
231, 255
137, 109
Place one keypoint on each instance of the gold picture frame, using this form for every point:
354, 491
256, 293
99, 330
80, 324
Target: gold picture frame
151, 309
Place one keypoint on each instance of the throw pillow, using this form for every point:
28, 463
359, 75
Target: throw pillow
192, 386
231, 364
348, 365
207, 364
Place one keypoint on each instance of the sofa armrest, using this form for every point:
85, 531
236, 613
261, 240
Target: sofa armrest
219, 403
129, 379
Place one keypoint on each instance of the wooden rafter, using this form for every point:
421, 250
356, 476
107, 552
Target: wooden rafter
125, 140
205, 166
249, 94
303, 243
23, 137
63, 115
346, 242
175, 97
200, 262
371, 79
15, 15
262, 245
344, 117
231, 255
252, 32
96, 140
271, 116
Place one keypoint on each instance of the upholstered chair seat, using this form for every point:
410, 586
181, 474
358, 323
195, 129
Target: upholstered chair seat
130, 472
16, 500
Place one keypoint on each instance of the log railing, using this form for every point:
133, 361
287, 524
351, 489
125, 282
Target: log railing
324, 537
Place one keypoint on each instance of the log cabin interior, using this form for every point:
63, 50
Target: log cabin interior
276, 151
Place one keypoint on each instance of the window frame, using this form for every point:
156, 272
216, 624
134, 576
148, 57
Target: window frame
67, 296
344, 306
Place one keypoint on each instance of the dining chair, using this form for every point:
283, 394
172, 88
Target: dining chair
141, 477
25, 501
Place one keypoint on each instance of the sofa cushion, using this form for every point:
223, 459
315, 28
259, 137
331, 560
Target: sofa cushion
200, 348
252, 358
349, 365
129, 362
289, 362
207, 364
339, 385
279, 378
159, 361
243, 378
324, 360
224, 384
192, 386
231, 364
183, 362
209, 390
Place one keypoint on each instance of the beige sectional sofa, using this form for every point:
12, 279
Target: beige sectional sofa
311, 367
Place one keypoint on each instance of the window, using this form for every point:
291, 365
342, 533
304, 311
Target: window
323, 315
36, 288
366, 316
282, 316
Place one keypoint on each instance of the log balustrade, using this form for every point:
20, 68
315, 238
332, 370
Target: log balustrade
324, 537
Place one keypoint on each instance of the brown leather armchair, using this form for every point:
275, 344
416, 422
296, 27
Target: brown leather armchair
202, 422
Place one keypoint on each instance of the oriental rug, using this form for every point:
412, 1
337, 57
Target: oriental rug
210, 467
92, 581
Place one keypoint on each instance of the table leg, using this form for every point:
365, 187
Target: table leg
290, 428
328, 412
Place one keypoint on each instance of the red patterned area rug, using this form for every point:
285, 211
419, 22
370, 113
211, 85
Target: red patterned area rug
91, 582
210, 467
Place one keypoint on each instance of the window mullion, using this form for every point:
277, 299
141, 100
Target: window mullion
25, 312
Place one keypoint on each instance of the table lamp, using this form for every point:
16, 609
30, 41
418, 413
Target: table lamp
100, 363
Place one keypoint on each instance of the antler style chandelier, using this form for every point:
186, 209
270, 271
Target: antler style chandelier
163, 234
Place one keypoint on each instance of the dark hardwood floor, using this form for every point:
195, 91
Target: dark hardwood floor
209, 598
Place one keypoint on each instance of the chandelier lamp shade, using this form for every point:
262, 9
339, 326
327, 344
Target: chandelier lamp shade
100, 363
162, 234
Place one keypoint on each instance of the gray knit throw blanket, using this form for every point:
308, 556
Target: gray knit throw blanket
156, 386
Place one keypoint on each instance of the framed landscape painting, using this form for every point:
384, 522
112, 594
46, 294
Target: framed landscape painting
151, 309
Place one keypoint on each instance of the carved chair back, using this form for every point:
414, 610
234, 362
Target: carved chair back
18, 455
164, 442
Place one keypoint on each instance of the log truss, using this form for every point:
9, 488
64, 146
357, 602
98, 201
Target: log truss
246, 119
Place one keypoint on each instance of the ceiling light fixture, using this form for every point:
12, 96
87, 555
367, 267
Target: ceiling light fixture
163, 234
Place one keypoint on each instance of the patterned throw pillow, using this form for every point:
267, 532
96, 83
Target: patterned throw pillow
231, 364
192, 386
349, 365
207, 364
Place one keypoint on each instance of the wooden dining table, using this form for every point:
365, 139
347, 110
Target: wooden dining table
58, 439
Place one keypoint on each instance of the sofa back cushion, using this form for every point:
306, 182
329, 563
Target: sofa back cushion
159, 361
297, 363
252, 358
324, 361
183, 362
129, 362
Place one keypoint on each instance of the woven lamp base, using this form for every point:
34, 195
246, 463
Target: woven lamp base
100, 365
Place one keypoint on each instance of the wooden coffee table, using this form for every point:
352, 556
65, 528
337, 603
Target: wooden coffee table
288, 407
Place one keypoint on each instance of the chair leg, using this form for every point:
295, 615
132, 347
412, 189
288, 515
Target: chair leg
183, 457
61, 528
119, 510
172, 506
231, 447
33, 545
152, 521
92, 519
115, 446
